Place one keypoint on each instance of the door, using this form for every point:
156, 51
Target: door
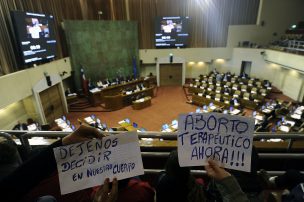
170, 74
51, 103
246, 67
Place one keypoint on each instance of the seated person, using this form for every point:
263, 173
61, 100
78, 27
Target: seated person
129, 190
9, 157
227, 91
292, 180
20, 126
243, 75
178, 185
234, 102
40, 167
106, 82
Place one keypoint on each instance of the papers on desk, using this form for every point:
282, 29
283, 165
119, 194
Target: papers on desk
32, 127
267, 111
291, 123
208, 96
235, 111
89, 120
295, 116
191, 84
259, 117
34, 141
284, 129
72, 94
212, 107
128, 92
274, 140
95, 90
200, 94
121, 122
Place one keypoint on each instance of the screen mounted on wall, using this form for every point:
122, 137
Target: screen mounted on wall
171, 32
35, 36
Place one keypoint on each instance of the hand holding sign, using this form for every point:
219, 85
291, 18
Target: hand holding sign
223, 137
82, 134
87, 164
216, 172
104, 195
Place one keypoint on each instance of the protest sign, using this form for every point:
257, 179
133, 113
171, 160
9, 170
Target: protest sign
89, 163
223, 137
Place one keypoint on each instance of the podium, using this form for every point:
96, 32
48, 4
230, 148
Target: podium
141, 103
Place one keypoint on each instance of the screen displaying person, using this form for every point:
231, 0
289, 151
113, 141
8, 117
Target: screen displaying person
168, 27
34, 29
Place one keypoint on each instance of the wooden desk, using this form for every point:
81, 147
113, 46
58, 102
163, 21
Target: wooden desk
116, 89
137, 105
94, 98
113, 102
116, 102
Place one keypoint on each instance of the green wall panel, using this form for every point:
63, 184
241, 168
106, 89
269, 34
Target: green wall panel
104, 48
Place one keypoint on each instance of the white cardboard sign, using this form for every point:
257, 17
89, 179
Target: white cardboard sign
88, 164
223, 137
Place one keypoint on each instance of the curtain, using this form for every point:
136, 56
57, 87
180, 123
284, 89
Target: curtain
209, 20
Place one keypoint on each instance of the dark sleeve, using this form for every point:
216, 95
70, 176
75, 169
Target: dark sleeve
230, 190
29, 174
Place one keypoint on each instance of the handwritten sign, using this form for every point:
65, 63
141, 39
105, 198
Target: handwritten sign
223, 137
89, 163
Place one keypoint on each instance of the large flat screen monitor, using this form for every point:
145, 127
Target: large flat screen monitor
35, 36
171, 32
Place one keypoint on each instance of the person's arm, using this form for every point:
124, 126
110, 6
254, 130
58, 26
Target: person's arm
104, 194
227, 185
31, 172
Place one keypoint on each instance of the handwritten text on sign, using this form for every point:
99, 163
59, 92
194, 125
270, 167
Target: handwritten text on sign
89, 163
214, 135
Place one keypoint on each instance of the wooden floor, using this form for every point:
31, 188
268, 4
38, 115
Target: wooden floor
166, 106
169, 102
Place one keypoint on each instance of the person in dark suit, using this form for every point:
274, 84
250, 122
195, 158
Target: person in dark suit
20, 126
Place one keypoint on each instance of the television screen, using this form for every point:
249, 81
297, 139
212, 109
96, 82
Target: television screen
171, 32
35, 35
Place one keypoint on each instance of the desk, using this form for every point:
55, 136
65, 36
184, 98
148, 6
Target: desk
116, 89
116, 102
127, 126
141, 103
94, 98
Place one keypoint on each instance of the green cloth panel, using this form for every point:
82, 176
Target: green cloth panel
104, 48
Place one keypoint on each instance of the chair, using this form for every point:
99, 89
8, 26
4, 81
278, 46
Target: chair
244, 88
210, 88
263, 91
218, 90
258, 84
246, 96
228, 85
250, 83
254, 90
218, 97
211, 80
237, 94
235, 87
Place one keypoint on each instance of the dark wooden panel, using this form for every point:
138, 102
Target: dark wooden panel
170, 74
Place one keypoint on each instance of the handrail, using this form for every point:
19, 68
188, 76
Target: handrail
25, 135
203, 172
153, 134
261, 155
